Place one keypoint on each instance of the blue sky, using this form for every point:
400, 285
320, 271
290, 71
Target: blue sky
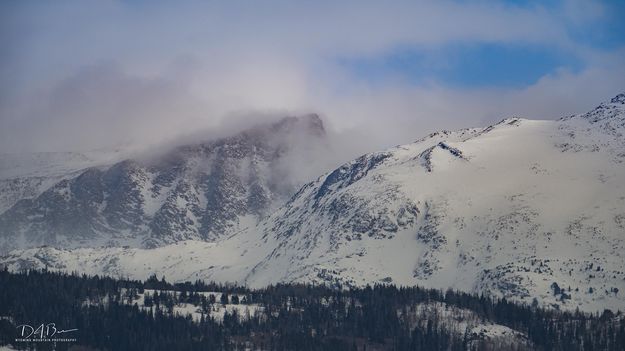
81, 74
467, 65
497, 64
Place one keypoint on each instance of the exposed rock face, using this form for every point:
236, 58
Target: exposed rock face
203, 192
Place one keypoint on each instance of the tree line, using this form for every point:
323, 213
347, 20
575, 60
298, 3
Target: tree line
288, 317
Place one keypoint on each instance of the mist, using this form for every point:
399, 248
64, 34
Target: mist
81, 75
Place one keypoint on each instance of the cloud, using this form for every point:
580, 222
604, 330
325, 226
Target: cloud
92, 74
411, 111
101, 106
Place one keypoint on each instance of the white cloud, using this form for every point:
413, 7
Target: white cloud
89, 74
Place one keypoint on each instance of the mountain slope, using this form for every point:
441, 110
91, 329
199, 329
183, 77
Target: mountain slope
27, 175
522, 209
201, 191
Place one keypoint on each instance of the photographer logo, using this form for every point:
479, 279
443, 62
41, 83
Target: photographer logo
44, 332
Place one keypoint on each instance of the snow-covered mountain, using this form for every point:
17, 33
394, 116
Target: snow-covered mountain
523, 209
201, 191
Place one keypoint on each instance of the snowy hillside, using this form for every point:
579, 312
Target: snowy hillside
523, 209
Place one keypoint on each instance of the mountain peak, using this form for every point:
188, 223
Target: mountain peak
618, 99
609, 115
310, 122
198, 191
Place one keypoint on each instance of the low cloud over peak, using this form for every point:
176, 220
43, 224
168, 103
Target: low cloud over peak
81, 75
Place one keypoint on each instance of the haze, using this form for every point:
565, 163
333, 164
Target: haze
82, 75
